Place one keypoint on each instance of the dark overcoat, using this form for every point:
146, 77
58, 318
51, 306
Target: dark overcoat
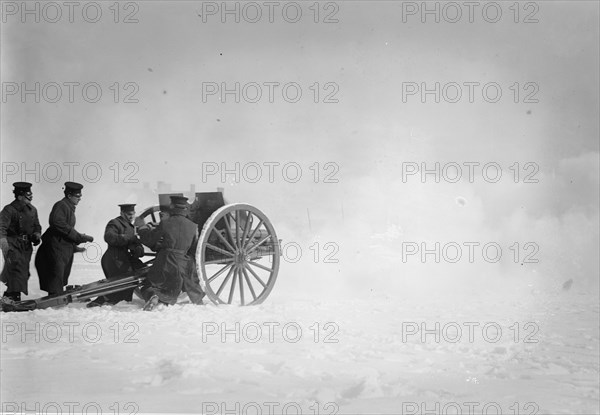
175, 239
54, 258
18, 223
122, 255
124, 248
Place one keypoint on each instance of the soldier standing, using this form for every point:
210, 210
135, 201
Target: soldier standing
54, 258
123, 254
175, 238
19, 229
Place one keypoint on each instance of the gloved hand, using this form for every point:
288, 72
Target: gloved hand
87, 238
136, 250
146, 228
36, 238
4, 245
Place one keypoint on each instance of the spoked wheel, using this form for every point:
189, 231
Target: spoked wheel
238, 255
151, 214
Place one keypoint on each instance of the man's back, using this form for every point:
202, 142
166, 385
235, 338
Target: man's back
179, 233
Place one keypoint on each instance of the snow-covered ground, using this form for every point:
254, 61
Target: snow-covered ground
408, 125
335, 351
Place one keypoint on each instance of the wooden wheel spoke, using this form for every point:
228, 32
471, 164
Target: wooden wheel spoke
255, 230
262, 241
256, 264
153, 217
241, 283
219, 261
237, 227
228, 230
223, 240
247, 227
232, 289
222, 270
220, 250
238, 218
225, 281
248, 283
255, 276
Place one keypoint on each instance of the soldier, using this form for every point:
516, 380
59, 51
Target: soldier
19, 228
123, 254
54, 258
175, 239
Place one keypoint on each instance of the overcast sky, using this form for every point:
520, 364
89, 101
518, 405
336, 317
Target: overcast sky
364, 58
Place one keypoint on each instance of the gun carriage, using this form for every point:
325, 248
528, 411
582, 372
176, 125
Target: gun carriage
237, 256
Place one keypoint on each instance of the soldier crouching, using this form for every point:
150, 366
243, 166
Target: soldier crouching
175, 239
122, 256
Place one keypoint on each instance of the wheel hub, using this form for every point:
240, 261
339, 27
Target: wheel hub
241, 257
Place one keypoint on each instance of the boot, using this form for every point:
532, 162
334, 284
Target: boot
100, 301
14, 296
151, 303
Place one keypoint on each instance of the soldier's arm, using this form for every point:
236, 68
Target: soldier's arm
151, 237
37, 228
58, 220
5, 219
144, 235
36, 236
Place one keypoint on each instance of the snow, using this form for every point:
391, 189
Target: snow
331, 352
372, 177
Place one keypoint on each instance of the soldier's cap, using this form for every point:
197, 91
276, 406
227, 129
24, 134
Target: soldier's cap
127, 207
179, 202
73, 188
21, 188
179, 199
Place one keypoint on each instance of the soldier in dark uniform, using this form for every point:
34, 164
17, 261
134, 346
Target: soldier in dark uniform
19, 228
123, 254
175, 239
54, 258
191, 282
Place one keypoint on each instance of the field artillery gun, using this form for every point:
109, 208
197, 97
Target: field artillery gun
237, 257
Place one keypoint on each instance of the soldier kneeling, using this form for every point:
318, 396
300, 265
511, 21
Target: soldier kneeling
123, 254
175, 239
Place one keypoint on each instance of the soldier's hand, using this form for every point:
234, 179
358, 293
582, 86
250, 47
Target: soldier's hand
136, 250
36, 238
145, 228
87, 238
138, 222
127, 238
4, 245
